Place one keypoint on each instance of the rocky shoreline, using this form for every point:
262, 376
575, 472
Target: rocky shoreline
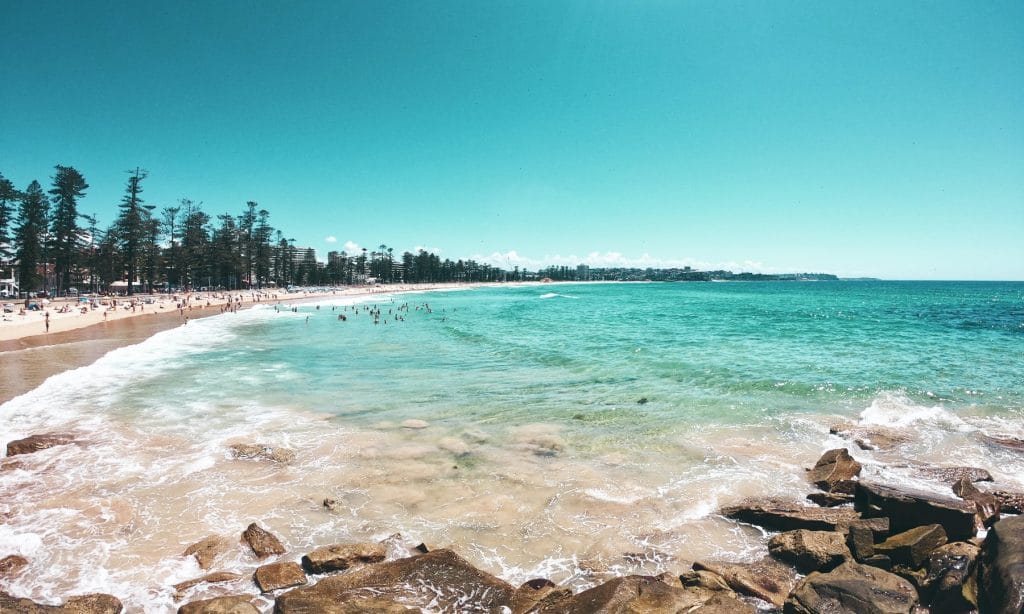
858, 546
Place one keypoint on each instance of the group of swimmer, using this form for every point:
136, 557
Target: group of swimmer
396, 314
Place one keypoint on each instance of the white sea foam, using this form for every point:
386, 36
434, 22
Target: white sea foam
895, 409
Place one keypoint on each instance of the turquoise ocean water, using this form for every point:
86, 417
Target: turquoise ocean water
567, 430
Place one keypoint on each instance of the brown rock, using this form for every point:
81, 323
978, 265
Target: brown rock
987, 505
835, 471
782, 515
96, 603
207, 550
913, 547
34, 443
1001, 568
21, 606
879, 527
880, 561
1009, 443
261, 451
411, 581
213, 578
1009, 502
829, 499
724, 604
7, 464
766, 579
907, 508
852, 588
232, 604
861, 542
870, 437
537, 595
355, 605
810, 550
342, 556
704, 579
279, 575
700, 586
12, 565
947, 584
395, 547
262, 542
633, 594
85, 604
950, 475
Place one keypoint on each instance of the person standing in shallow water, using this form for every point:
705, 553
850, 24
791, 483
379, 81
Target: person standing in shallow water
47, 314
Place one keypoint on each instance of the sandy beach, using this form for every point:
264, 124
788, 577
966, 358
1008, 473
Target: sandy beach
29, 353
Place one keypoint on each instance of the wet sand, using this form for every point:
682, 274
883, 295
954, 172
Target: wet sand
25, 363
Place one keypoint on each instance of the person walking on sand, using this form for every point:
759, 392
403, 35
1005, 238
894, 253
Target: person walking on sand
47, 321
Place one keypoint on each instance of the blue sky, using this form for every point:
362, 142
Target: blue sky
865, 138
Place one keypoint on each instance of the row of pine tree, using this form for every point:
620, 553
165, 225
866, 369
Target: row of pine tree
54, 247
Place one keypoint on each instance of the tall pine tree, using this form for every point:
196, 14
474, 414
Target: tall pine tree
68, 186
195, 245
8, 197
28, 236
130, 227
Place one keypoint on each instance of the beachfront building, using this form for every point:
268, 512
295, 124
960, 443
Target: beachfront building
302, 255
8, 284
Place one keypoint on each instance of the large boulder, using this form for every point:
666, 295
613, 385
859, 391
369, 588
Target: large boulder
912, 548
907, 508
829, 499
34, 443
767, 579
810, 550
724, 604
276, 576
354, 605
96, 603
949, 586
1001, 568
343, 556
539, 594
949, 475
987, 505
231, 604
207, 550
861, 542
835, 472
440, 579
262, 542
212, 578
632, 594
852, 588
781, 515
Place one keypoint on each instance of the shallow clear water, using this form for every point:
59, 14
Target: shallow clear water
538, 457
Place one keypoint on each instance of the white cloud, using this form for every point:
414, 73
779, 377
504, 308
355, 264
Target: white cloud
430, 250
352, 247
330, 239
